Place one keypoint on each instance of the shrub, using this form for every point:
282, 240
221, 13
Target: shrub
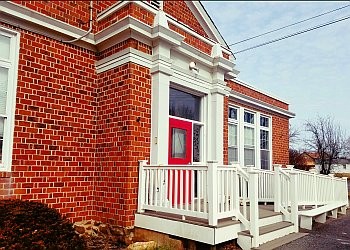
33, 225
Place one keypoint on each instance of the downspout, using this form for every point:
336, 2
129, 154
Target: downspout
87, 32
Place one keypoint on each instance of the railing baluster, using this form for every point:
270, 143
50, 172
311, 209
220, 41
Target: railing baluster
199, 191
204, 190
176, 188
187, 188
171, 185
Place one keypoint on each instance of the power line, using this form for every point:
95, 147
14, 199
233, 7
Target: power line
294, 34
289, 25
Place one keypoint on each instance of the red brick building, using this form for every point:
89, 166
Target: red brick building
88, 90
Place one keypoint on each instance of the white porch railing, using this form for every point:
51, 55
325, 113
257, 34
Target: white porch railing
211, 192
207, 192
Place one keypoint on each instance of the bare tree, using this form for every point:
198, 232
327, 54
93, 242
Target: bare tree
293, 136
327, 140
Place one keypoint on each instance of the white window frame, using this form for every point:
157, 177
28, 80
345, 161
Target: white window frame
256, 126
12, 65
234, 122
200, 123
253, 126
269, 130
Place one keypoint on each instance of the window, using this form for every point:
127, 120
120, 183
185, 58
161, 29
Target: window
8, 77
249, 146
249, 138
232, 135
188, 106
248, 117
184, 105
264, 143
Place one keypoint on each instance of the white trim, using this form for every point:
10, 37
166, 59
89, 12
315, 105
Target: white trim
245, 84
206, 22
260, 104
111, 9
188, 30
122, 57
35, 17
11, 99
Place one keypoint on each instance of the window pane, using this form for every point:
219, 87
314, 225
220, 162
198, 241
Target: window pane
249, 158
2, 120
5, 47
196, 142
178, 147
249, 117
3, 89
264, 121
265, 159
232, 135
232, 113
232, 155
249, 136
264, 139
184, 105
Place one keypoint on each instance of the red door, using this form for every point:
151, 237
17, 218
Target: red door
180, 153
180, 142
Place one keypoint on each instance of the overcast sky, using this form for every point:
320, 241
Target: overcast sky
310, 71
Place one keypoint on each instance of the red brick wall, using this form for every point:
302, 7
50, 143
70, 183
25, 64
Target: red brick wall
78, 135
192, 40
54, 134
226, 130
180, 11
124, 130
259, 96
75, 13
131, 9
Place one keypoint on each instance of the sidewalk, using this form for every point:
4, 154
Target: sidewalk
334, 234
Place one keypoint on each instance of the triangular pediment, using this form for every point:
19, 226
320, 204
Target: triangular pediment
193, 15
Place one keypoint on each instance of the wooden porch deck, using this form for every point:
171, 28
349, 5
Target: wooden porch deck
265, 211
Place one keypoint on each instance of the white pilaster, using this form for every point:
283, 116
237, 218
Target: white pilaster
164, 40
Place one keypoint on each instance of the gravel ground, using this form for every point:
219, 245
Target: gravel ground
334, 234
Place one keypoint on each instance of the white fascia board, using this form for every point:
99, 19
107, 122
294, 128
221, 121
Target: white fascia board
169, 35
245, 84
122, 57
192, 80
208, 22
111, 9
120, 4
260, 104
35, 17
127, 23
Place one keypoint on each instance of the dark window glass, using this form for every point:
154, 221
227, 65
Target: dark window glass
264, 121
264, 139
185, 105
196, 142
265, 159
232, 113
248, 117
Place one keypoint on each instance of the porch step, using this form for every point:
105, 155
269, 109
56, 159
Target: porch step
266, 233
280, 241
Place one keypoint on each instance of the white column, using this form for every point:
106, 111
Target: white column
213, 193
216, 133
294, 199
141, 193
277, 187
164, 40
254, 207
